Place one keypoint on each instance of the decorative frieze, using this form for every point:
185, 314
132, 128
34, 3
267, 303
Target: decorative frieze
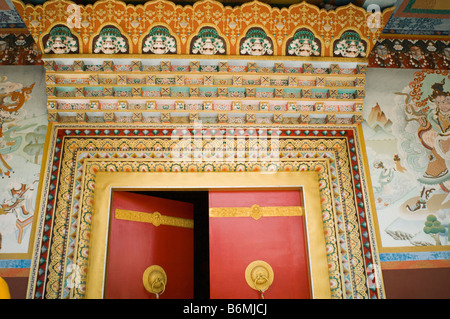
204, 87
259, 28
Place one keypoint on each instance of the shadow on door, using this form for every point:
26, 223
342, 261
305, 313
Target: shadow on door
201, 234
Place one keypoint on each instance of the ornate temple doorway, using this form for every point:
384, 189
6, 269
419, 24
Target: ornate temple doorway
256, 235
121, 122
233, 230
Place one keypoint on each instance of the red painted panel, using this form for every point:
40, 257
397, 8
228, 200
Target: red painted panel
237, 241
134, 246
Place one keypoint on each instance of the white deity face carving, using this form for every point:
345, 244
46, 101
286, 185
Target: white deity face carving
256, 47
350, 48
108, 46
208, 46
208, 42
303, 47
160, 45
110, 43
60, 44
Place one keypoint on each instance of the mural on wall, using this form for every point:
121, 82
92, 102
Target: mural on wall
407, 131
23, 127
18, 49
410, 54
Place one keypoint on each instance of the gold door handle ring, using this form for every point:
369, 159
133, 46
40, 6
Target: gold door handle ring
259, 276
155, 280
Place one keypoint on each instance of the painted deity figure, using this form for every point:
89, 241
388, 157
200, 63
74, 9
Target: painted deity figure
389, 180
256, 43
159, 41
23, 51
60, 41
434, 134
12, 97
304, 44
208, 42
386, 175
416, 58
110, 41
350, 45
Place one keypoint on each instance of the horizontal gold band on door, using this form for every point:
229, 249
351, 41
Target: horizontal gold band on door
155, 218
255, 211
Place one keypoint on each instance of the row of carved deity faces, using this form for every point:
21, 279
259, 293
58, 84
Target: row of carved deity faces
159, 41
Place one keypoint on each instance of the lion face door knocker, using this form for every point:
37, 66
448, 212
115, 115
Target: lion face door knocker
155, 280
259, 276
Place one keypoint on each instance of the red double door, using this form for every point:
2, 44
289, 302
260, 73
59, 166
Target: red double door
136, 243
